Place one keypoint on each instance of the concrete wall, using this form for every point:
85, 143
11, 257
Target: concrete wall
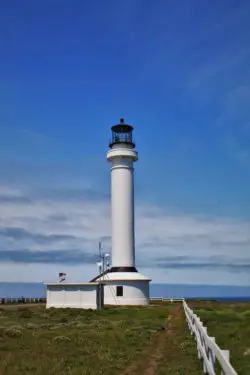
61, 295
134, 293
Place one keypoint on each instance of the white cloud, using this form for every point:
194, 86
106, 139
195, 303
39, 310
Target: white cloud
173, 249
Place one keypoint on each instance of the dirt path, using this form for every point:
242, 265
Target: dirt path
153, 355
171, 351
156, 356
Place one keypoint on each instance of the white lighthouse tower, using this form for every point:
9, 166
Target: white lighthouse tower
124, 285
122, 155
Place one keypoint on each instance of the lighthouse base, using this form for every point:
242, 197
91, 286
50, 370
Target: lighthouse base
125, 288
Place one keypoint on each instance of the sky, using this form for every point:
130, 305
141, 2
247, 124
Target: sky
178, 72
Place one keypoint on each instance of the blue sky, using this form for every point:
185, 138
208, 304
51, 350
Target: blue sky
179, 72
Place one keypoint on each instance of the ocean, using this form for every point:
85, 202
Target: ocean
218, 292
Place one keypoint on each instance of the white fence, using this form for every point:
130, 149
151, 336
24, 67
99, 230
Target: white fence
152, 299
207, 348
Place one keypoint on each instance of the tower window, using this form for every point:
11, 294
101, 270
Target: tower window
119, 291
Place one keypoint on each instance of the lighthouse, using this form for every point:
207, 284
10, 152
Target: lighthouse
122, 155
120, 284
123, 284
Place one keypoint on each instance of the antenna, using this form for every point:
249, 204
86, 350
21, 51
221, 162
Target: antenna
100, 247
103, 263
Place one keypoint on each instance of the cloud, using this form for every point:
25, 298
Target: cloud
39, 174
11, 195
204, 263
206, 266
13, 199
64, 231
18, 234
72, 257
72, 195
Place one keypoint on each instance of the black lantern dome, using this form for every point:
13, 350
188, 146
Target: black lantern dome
122, 133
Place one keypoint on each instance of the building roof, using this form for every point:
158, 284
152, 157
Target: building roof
121, 276
70, 284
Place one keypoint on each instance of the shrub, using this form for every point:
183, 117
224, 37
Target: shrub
13, 332
64, 319
81, 325
32, 325
16, 326
2, 331
245, 314
25, 313
44, 316
61, 338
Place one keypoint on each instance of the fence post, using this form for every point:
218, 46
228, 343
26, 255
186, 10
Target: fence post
205, 350
211, 354
226, 354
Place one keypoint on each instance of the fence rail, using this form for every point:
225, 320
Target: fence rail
208, 351
162, 299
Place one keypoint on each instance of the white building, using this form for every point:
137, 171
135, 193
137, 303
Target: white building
123, 284
125, 288
75, 295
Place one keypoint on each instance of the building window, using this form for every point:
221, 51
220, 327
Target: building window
119, 291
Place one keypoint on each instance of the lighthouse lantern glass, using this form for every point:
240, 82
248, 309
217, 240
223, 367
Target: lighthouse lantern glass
122, 133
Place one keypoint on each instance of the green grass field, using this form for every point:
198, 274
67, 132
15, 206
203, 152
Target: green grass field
114, 341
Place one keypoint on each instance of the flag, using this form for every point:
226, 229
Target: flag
62, 276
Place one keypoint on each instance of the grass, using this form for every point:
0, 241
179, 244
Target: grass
118, 341
115, 341
229, 323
